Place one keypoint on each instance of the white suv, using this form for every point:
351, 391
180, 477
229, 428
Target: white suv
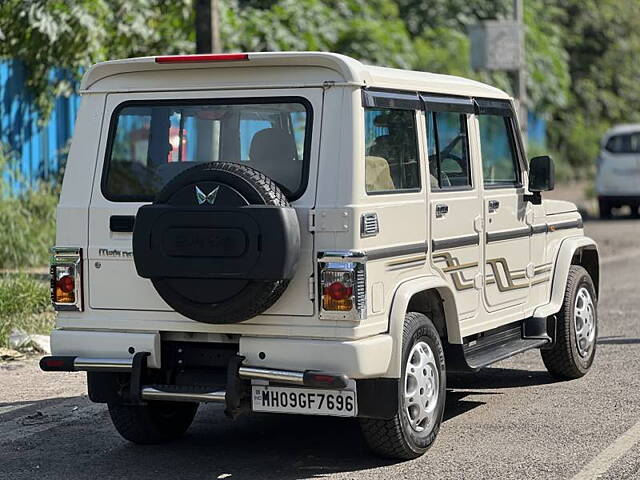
301, 233
618, 178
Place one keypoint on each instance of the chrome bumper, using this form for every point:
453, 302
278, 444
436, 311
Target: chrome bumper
309, 378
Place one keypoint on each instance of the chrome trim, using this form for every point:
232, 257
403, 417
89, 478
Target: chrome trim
398, 251
102, 364
150, 393
536, 229
67, 257
271, 374
369, 225
454, 242
554, 227
508, 234
353, 261
339, 256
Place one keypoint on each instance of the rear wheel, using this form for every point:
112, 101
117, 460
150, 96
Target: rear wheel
155, 422
577, 328
422, 390
605, 208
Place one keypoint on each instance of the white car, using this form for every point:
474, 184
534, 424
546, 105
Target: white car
618, 178
301, 233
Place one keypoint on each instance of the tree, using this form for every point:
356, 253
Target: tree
602, 41
71, 36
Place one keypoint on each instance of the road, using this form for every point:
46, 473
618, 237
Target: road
512, 421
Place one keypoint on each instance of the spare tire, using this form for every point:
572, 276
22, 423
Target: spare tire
220, 243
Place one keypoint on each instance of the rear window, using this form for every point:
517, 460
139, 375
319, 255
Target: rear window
391, 151
628, 143
152, 142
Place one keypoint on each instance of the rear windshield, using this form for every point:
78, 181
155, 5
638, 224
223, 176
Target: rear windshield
628, 143
152, 142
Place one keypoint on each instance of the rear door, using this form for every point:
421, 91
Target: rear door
507, 225
119, 192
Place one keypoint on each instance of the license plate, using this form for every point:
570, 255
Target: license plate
308, 401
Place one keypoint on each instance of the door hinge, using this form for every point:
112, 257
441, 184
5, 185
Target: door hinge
312, 288
330, 220
312, 221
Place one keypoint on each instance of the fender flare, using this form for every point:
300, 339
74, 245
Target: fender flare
399, 305
567, 250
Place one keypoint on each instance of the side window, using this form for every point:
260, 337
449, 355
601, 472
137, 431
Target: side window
448, 148
499, 159
391, 150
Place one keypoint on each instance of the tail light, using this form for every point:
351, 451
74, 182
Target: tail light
66, 278
342, 285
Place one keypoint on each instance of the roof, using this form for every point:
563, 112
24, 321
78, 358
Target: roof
619, 129
350, 70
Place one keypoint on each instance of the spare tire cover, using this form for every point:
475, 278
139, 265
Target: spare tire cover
220, 243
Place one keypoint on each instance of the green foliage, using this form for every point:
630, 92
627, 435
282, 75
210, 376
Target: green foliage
27, 222
371, 31
74, 35
602, 41
24, 304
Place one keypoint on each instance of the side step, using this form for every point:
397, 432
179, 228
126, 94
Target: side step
504, 342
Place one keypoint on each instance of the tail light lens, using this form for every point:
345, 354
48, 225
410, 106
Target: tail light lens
337, 290
66, 278
342, 285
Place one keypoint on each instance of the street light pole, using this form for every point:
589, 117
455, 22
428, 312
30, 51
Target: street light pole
207, 26
520, 80
216, 47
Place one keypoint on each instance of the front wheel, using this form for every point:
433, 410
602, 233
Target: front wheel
422, 390
574, 349
155, 422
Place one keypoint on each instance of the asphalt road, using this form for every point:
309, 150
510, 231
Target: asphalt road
510, 421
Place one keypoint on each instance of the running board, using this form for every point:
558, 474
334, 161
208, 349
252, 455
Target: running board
504, 343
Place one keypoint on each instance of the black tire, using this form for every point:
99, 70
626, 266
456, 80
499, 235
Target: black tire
604, 208
396, 438
155, 422
563, 360
219, 300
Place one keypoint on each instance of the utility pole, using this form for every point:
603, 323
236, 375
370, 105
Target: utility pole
207, 26
520, 75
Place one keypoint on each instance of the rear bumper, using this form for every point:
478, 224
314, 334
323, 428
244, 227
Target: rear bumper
365, 358
308, 378
114, 359
377, 397
621, 199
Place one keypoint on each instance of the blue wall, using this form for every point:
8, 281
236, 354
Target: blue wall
39, 148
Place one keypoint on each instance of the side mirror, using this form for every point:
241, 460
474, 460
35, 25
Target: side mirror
541, 174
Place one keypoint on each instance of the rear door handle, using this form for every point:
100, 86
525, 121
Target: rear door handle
493, 205
441, 210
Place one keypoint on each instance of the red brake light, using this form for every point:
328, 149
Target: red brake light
66, 284
209, 57
338, 291
53, 363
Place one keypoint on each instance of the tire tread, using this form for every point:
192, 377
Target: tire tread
385, 437
559, 360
